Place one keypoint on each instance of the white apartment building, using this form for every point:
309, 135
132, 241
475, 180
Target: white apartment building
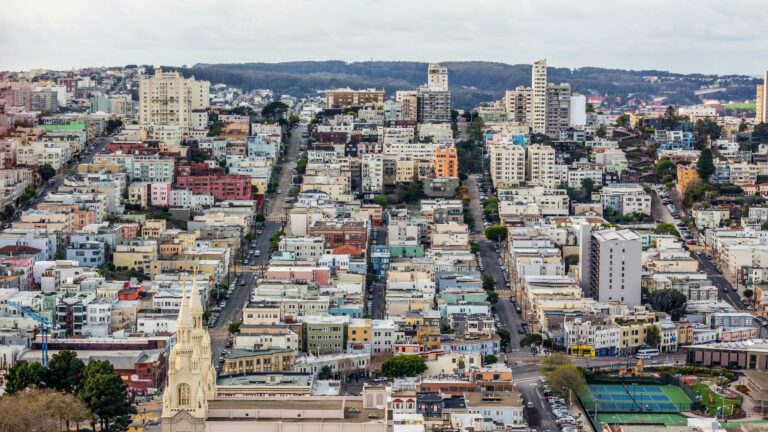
744, 173
169, 99
541, 166
574, 177
385, 334
551, 202
437, 76
372, 167
303, 248
539, 96
35, 153
600, 336
626, 198
507, 163
615, 264
98, 317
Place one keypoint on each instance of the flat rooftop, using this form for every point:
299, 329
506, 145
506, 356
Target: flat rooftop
220, 409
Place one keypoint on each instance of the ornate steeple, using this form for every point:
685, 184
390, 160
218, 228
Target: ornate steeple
191, 377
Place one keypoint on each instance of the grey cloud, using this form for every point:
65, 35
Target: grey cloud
680, 35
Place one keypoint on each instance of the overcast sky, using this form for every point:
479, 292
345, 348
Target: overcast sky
711, 36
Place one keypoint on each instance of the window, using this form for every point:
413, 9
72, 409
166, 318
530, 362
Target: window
183, 394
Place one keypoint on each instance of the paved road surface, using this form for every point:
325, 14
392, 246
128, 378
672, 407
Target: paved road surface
727, 292
234, 309
276, 209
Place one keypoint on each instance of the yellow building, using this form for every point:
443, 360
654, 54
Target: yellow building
685, 176
136, 255
152, 228
248, 361
209, 267
632, 335
359, 331
428, 336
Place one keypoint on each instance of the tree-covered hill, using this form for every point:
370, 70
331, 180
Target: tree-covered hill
472, 82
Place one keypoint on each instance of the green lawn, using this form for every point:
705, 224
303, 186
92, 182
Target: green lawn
744, 106
635, 418
713, 401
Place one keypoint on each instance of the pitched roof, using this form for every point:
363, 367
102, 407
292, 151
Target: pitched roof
18, 250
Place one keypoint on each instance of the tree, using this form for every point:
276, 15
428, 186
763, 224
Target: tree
587, 187
653, 336
234, 327
476, 129
601, 132
665, 167
705, 166
533, 339
46, 171
590, 108
565, 379
550, 363
667, 300
274, 111
504, 338
40, 410
22, 375
113, 125
488, 283
666, 228
65, 372
403, 366
760, 133
490, 359
493, 297
381, 200
704, 129
669, 121
748, 293
622, 120
8, 211
325, 373
301, 166
260, 218
570, 260
496, 233
105, 394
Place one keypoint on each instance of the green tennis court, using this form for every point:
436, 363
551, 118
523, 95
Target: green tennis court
634, 398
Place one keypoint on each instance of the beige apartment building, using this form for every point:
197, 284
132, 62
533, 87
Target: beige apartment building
541, 166
507, 163
169, 99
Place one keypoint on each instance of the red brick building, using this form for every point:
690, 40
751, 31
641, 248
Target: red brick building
221, 186
340, 233
196, 169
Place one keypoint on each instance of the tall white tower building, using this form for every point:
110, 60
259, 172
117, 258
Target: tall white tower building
539, 97
761, 107
437, 77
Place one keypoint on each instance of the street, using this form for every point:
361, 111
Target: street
241, 294
509, 318
727, 292
275, 207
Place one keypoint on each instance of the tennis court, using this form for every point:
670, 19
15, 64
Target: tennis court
632, 398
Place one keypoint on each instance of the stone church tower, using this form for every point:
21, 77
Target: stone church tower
191, 376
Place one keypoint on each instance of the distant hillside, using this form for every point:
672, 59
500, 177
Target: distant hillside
471, 82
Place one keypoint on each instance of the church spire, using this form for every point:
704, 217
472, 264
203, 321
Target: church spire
185, 317
195, 304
